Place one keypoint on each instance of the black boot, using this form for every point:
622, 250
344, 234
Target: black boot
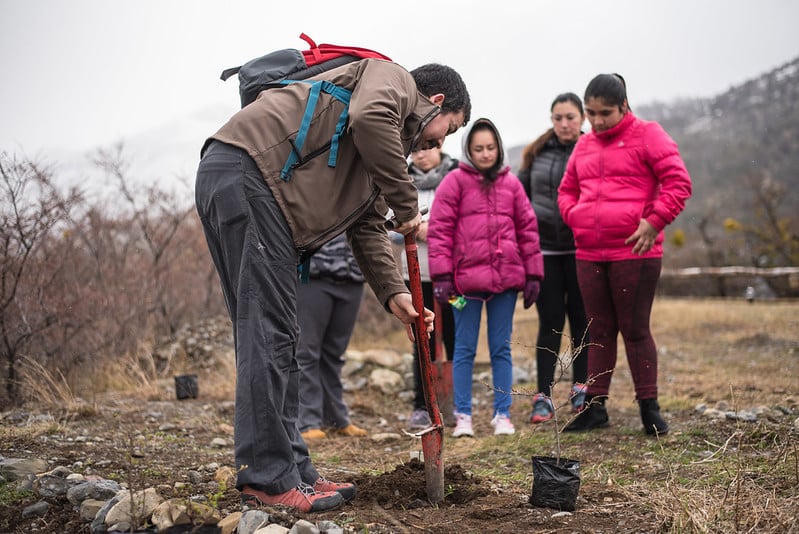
594, 415
650, 416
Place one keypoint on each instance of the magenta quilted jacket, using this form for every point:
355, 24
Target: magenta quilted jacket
486, 238
613, 180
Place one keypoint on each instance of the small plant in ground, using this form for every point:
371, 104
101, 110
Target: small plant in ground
213, 498
563, 362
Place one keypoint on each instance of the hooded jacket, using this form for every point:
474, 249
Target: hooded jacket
387, 113
482, 234
426, 183
613, 180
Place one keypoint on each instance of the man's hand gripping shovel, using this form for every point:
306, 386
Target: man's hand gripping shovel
433, 437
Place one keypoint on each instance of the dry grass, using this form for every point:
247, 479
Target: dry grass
705, 476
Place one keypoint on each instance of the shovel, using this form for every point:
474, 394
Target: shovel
433, 437
442, 371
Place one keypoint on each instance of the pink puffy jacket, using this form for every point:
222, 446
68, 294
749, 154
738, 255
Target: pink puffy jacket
486, 238
613, 180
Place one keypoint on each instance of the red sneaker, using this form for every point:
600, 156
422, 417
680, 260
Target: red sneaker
345, 489
304, 498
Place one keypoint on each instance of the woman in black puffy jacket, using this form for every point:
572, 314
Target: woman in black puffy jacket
543, 164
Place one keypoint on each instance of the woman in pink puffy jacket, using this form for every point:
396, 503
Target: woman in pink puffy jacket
625, 181
483, 245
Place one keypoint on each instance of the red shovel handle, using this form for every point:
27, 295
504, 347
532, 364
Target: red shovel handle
420, 334
433, 437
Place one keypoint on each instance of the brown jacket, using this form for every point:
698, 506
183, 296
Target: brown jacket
386, 115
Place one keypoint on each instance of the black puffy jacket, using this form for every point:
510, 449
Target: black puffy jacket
541, 181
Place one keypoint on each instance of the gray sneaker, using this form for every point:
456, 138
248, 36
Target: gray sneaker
419, 420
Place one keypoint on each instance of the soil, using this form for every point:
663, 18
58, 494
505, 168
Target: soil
627, 483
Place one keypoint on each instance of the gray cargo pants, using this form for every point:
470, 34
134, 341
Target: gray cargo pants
253, 252
328, 310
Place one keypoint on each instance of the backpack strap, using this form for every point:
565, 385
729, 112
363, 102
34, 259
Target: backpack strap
304, 269
340, 94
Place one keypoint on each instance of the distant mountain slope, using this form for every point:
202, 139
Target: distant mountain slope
750, 131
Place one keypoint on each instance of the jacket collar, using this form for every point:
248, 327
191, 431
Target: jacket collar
620, 128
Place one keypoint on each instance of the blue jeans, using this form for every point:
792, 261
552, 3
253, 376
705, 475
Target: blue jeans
499, 311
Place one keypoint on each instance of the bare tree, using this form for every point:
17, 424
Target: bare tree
156, 220
772, 237
32, 264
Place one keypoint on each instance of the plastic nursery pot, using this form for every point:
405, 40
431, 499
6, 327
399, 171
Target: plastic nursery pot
186, 387
555, 483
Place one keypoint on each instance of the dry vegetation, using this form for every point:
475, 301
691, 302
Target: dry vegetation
705, 476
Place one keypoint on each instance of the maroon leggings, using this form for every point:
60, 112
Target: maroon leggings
618, 297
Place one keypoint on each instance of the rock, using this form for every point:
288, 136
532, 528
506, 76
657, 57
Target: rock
17, 468
98, 525
36, 510
796, 424
89, 509
52, 486
329, 527
274, 528
713, 413
219, 443
304, 527
143, 504
386, 380
228, 524
252, 520
94, 489
388, 358
351, 367
178, 512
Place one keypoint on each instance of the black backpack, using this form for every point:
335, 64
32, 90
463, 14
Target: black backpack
290, 65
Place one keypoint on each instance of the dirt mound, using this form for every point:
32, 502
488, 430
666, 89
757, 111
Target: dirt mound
405, 486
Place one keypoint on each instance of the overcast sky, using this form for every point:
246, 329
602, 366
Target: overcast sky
80, 74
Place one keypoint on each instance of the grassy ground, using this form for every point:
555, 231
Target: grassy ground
706, 475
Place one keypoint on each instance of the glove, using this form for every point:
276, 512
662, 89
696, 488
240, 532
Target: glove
443, 290
531, 289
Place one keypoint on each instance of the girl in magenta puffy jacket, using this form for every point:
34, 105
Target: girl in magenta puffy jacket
625, 181
483, 245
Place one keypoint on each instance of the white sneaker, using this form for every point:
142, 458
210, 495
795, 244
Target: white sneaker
502, 425
463, 425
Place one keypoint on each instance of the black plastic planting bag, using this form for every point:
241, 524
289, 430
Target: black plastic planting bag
555, 483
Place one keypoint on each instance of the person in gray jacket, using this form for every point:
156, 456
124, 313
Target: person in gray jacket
327, 308
261, 226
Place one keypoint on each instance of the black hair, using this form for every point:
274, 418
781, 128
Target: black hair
435, 78
609, 87
568, 97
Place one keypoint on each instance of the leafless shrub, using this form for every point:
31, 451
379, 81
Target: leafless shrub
82, 284
35, 282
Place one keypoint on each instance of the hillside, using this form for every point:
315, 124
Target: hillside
749, 132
